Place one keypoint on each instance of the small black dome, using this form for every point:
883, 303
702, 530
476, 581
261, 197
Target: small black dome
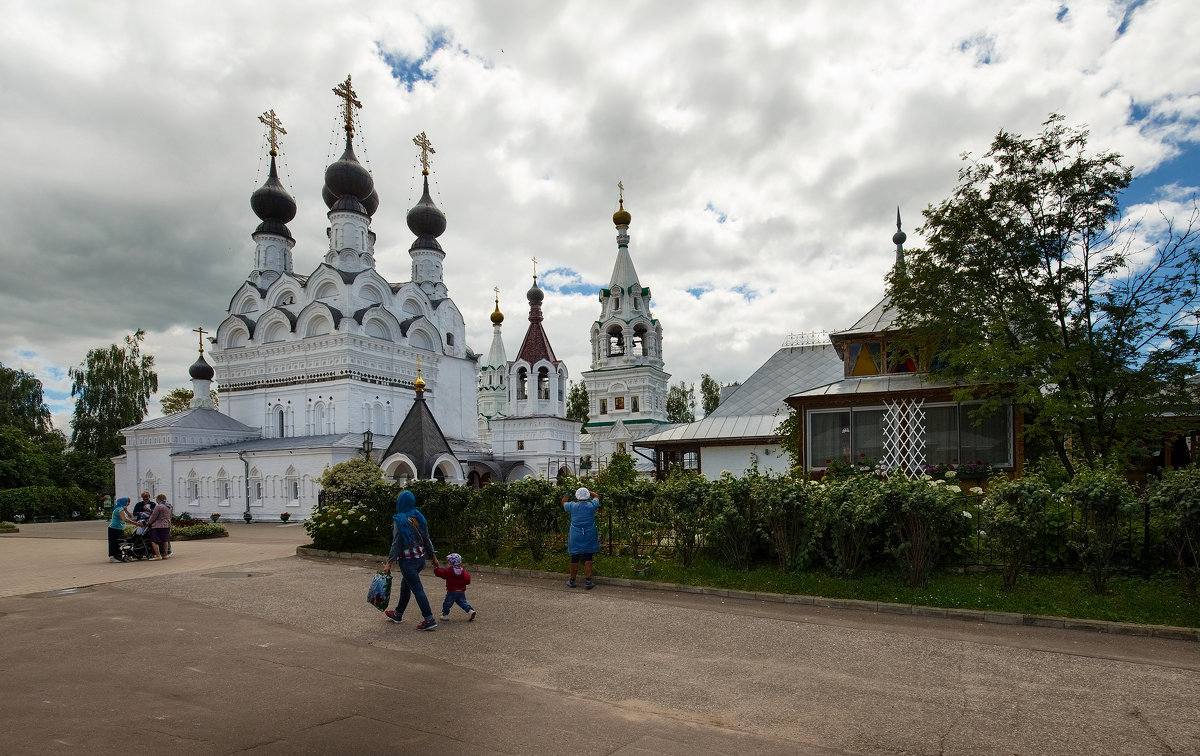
347, 202
201, 370
273, 227
535, 295
899, 237
425, 219
347, 176
271, 201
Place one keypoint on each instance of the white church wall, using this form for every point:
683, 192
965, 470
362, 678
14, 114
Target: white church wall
737, 459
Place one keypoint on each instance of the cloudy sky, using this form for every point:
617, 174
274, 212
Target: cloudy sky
764, 148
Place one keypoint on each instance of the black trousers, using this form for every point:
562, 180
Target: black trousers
114, 541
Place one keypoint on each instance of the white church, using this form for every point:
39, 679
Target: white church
316, 369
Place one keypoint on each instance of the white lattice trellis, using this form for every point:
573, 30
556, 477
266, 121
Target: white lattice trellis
904, 436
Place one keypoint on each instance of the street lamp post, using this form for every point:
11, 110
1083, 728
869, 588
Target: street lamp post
368, 443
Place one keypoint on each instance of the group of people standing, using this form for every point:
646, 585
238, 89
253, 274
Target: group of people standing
153, 515
411, 545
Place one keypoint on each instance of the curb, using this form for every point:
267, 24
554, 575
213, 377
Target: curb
969, 615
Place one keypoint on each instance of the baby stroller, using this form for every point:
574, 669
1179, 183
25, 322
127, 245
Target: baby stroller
137, 546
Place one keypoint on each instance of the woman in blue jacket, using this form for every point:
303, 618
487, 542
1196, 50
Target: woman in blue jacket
583, 541
410, 545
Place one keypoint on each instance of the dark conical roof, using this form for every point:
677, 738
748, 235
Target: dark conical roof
419, 437
347, 176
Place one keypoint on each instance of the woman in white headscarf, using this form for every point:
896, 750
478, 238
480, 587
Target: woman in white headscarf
583, 540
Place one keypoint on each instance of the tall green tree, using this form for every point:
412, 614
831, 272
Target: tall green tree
180, 399
21, 402
578, 403
710, 393
1031, 286
681, 403
112, 390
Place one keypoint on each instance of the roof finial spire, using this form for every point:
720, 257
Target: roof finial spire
349, 101
201, 333
274, 129
534, 270
898, 239
426, 146
419, 384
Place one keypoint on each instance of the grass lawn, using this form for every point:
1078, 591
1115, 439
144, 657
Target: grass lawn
1157, 601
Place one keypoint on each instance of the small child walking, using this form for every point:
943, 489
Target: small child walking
457, 579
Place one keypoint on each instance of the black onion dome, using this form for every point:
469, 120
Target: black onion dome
899, 237
271, 202
201, 370
535, 295
425, 219
371, 203
347, 176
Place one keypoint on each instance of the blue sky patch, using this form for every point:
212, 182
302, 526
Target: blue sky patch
1062, 13
720, 216
410, 71
566, 281
981, 47
1132, 6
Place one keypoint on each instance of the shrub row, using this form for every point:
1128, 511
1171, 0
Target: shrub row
840, 524
45, 502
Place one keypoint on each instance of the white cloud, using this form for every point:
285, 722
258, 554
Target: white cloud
125, 203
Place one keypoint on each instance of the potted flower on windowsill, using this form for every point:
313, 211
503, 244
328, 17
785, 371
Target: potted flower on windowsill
284, 516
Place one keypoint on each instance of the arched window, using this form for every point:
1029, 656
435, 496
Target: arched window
193, 486
639, 340
522, 383
318, 419
222, 485
544, 384
449, 339
278, 425
616, 342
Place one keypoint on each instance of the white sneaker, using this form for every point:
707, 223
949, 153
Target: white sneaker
114, 560
445, 618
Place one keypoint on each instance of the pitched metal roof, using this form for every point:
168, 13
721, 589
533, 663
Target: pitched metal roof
878, 318
194, 419
789, 370
713, 428
876, 384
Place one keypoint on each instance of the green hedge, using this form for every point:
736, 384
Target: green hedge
841, 524
45, 502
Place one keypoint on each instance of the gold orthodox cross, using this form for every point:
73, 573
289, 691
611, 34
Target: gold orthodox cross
426, 146
274, 129
200, 331
621, 187
350, 101
534, 270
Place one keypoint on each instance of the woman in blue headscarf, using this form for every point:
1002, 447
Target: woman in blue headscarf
410, 545
116, 528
